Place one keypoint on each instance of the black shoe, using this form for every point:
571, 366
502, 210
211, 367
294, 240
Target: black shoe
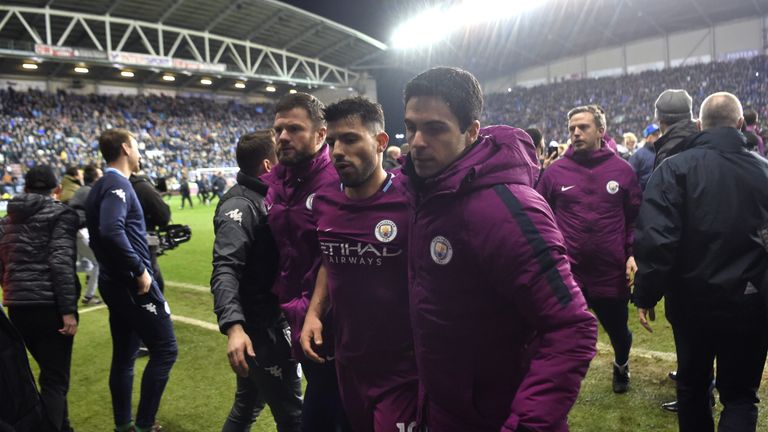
670, 406
620, 378
673, 376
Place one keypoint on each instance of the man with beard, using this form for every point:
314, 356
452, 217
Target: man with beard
595, 197
304, 167
362, 226
137, 309
501, 332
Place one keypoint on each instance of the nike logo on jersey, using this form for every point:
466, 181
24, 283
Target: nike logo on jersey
120, 193
236, 215
565, 188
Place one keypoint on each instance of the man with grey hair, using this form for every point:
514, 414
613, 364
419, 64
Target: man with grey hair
674, 112
701, 242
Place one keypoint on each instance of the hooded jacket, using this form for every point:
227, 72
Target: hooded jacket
69, 185
501, 331
289, 203
595, 197
674, 140
698, 241
38, 253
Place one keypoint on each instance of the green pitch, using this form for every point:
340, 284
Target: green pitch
201, 388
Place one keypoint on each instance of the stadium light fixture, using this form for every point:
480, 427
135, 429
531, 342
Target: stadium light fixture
293, 91
81, 69
436, 24
29, 66
270, 88
240, 85
126, 74
169, 78
206, 81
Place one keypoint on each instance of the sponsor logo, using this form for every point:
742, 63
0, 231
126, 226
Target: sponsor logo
612, 187
441, 250
150, 307
236, 215
357, 253
120, 193
385, 231
566, 188
310, 200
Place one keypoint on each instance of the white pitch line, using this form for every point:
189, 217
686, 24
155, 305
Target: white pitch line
195, 322
635, 352
91, 309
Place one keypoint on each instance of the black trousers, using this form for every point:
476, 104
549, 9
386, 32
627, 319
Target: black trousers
323, 410
273, 379
52, 351
157, 275
613, 316
186, 197
739, 346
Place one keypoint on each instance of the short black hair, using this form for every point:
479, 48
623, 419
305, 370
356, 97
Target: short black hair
370, 113
253, 148
456, 87
111, 143
41, 179
72, 170
750, 117
535, 135
307, 102
90, 173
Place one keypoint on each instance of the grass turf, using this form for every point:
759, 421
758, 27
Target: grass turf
201, 388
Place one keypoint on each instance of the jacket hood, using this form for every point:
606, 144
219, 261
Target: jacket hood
723, 138
253, 183
501, 155
298, 173
590, 158
23, 206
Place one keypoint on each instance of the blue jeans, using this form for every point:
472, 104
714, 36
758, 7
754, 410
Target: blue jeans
132, 319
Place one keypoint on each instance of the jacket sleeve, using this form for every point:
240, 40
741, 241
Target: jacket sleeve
531, 271
77, 202
657, 235
632, 200
233, 239
112, 216
62, 254
156, 210
544, 186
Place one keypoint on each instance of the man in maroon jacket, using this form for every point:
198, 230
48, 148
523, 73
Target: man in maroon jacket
596, 197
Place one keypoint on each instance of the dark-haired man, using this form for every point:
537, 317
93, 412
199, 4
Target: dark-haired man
304, 167
37, 238
595, 197
501, 331
137, 309
362, 226
245, 261
91, 173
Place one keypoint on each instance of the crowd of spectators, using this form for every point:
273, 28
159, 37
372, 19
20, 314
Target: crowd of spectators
179, 135
628, 100
175, 134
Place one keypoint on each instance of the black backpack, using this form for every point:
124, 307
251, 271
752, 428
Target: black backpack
21, 408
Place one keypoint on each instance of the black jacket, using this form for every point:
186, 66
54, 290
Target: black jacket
697, 240
157, 214
674, 140
38, 253
245, 258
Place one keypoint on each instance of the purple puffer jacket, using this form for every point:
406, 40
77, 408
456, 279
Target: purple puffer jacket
501, 330
596, 198
289, 200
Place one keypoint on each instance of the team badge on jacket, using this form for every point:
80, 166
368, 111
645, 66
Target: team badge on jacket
310, 200
612, 187
441, 250
385, 231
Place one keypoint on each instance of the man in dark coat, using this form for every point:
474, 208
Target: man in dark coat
701, 242
674, 112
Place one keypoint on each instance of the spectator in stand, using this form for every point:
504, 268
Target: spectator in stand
750, 121
628, 145
390, 158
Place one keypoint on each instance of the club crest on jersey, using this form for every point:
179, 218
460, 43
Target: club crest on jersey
612, 187
441, 250
310, 200
385, 231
